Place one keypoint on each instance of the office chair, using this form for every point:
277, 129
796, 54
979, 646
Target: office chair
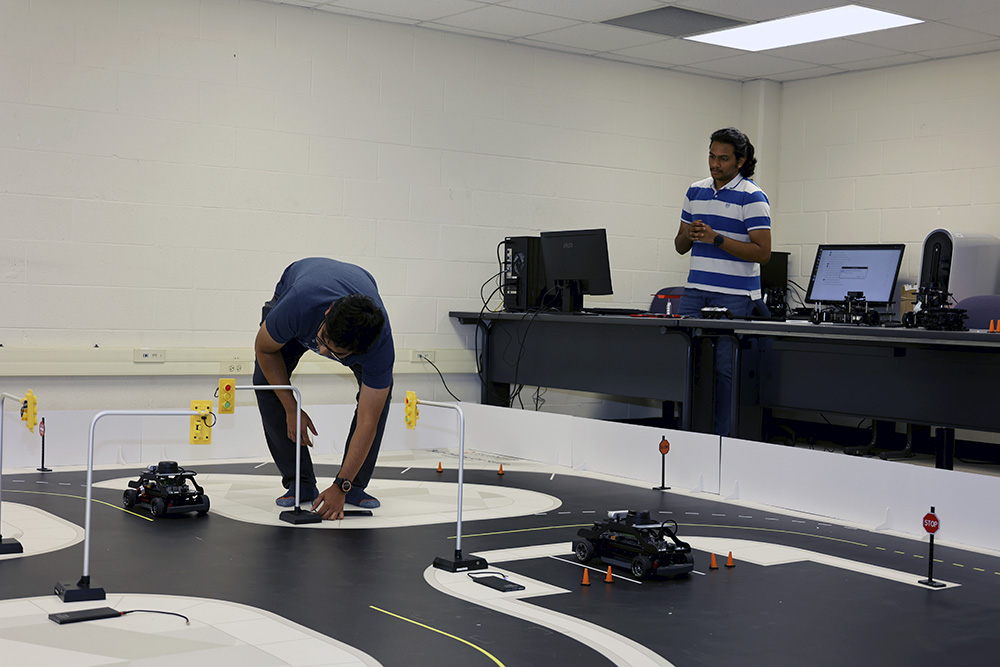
665, 295
980, 310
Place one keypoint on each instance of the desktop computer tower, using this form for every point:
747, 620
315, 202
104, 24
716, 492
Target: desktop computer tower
774, 283
961, 263
523, 273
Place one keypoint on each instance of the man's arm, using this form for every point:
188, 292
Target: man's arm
683, 240
758, 249
330, 503
272, 364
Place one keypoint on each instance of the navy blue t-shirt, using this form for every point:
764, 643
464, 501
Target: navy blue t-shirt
306, 290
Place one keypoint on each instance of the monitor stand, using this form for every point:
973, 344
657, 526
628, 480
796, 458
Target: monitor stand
569, 295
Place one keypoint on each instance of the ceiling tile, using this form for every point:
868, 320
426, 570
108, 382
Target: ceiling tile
754, 65
674, 22
932, 10
597, 37
366, 15
678, 52
505, 21
832, 52
811, 73
585, 10
425, 10
922, 37
889, 61
760, 10
988, 22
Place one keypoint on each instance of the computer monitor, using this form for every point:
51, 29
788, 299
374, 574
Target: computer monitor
576, 263
871, 269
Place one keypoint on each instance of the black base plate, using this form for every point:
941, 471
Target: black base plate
9, 545
300, 516
70, 592
460, 565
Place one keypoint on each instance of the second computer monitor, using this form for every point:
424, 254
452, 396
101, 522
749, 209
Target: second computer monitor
576, 263
871, 269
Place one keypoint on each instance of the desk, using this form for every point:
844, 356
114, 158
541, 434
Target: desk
934, 378
611, 354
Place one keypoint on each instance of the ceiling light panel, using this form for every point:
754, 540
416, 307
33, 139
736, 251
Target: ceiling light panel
806, 28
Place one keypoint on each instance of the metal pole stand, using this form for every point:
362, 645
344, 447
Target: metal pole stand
8, 545
458, 564
664, 448
929, 581
41, 432
82, 591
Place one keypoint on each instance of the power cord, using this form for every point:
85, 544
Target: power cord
420, 356
187, 621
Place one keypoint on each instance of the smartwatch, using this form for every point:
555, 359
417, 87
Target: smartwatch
344, 484
717, 241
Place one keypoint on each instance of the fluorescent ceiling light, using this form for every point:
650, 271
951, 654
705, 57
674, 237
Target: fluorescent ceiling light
805, 28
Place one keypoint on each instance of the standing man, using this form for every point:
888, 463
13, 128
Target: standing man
333, 309
726, 224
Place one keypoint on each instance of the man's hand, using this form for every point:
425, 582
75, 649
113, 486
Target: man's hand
701, 232
330, 503
307, 427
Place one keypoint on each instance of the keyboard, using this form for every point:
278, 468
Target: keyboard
615, 311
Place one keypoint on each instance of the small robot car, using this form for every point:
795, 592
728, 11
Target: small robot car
164, 489
630, 539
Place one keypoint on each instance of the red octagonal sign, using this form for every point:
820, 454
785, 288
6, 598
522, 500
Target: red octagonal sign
931, 523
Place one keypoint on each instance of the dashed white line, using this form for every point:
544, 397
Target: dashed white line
718, 515
744, 516
771, 518
261, 465
405, 470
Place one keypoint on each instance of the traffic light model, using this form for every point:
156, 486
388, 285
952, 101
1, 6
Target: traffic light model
227, 396
29, 411
410, 412
201, 432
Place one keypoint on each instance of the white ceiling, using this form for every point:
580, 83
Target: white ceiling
952, 28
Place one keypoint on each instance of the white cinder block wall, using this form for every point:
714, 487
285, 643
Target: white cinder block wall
887, 156
161, 161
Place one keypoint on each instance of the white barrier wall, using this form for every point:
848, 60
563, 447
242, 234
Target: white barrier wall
871, 493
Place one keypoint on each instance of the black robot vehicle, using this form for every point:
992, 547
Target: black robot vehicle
166, 488
630, 539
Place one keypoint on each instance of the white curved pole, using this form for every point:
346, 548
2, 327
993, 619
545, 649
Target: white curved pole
461, 464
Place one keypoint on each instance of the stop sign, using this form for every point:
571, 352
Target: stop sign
664, 446
41, 428
931, 523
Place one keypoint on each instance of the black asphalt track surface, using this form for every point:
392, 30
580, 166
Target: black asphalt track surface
797, 614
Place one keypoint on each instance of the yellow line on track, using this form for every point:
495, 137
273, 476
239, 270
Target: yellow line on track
440, 632
69, 495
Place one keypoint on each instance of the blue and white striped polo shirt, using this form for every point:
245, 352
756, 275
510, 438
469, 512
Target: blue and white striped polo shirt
739, 207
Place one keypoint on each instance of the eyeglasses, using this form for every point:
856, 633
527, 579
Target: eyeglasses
329, 354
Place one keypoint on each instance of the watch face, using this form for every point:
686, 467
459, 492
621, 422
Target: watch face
719, 238
345, 485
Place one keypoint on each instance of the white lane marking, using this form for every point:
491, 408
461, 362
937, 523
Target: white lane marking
618, 649
766, 554
595, 569
405, 470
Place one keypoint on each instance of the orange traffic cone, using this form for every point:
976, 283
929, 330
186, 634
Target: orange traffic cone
993, 327
609, 579
500, 473
439, 466
586, 577
729, 561
713, 565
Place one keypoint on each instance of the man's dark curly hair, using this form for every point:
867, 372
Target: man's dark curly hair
741, 147
354, 323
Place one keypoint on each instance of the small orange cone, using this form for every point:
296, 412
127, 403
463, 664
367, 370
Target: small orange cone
713, 565
586, 577
993, 327
729, 561
439, 466
609, 579
501, 470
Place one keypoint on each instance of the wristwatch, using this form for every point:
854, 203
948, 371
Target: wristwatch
717, 241
344, 484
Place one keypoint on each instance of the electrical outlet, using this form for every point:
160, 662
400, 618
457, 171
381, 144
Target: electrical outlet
145, 355
422, 355
234, 367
